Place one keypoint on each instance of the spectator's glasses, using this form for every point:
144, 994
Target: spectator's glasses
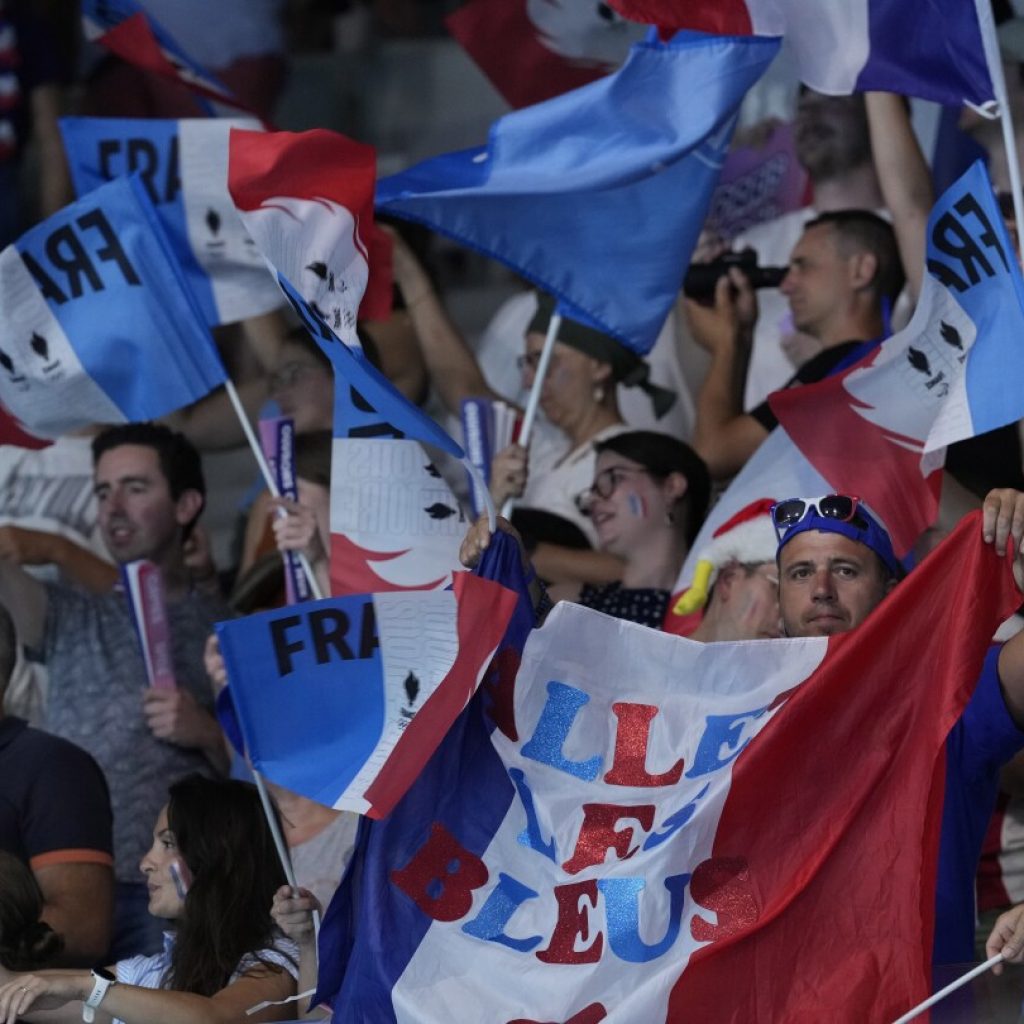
840, 507
605, 484
531, 360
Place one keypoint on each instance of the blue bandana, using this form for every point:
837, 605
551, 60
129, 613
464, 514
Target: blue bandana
863, 528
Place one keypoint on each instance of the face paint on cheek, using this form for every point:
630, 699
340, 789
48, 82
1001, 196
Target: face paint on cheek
181, 877
636, 504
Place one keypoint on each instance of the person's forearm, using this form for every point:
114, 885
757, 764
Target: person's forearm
570, 565
903, 177
81, 566
213, 745
720, 407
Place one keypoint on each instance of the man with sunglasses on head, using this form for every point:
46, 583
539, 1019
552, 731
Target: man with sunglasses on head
836, 565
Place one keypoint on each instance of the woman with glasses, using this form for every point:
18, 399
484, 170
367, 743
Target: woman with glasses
647, 500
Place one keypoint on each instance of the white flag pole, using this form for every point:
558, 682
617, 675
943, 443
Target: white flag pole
995, 69
952, 987
538, 383
268, 477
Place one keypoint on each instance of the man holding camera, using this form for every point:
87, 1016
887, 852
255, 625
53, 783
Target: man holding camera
843, 272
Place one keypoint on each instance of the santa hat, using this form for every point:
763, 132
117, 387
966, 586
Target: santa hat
748, 536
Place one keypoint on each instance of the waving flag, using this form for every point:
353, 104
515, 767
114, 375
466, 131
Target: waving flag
661, 830
879, 429
183, 166
125, 29
98, 325
532, 50
307, 201
344, 700
598, 195
851, 45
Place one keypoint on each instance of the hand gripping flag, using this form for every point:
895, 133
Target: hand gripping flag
661, 830
344, 700
183, 165
125, 29
97, 323
532, 50
879, 429
307, 202
851, 45
598, 195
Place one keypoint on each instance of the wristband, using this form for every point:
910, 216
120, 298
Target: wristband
102, 981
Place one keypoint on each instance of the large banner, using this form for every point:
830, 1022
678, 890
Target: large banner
638, 827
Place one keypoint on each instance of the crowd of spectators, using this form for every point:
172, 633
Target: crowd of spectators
607, 500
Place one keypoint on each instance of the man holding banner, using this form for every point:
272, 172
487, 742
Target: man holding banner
150, 491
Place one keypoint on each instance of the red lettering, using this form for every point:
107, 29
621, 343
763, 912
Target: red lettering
598, 836
441, 876
629, 763
573, 920
722, 884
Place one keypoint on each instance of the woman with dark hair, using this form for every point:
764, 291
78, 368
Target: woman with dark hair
212, 872
647, 501
26, 943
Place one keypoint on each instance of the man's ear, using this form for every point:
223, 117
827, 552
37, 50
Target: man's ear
725, 579
188, 506
863, 269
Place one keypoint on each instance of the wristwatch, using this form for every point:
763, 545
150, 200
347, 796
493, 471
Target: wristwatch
101, 980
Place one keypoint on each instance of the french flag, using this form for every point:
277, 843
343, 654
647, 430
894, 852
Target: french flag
953, 372
532, 50
125, 29
914, 47
99, 325
344, 700
635, 826
183, 166
307, 201
563, 180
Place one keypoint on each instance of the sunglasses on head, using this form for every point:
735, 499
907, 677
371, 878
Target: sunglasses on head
841, 507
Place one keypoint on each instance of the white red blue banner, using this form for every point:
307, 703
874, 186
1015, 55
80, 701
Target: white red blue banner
634, 826
183, 166
98, 324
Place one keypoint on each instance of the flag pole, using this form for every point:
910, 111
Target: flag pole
995, 69
268, 477
538, 383
952, 987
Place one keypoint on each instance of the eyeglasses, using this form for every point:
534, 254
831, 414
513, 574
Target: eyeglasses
531, 360
841, 507
604, 485
289, 375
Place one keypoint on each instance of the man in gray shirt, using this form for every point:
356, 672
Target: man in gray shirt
150, 491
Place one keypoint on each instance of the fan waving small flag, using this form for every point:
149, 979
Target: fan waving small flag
183, 166
98, 325
307, 201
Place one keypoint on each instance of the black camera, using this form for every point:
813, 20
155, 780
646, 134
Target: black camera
701, 278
